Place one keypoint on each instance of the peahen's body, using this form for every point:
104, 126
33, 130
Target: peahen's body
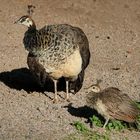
59, 51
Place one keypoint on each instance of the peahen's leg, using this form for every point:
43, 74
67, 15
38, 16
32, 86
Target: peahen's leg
55, 91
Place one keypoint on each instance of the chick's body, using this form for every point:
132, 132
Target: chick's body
111, 103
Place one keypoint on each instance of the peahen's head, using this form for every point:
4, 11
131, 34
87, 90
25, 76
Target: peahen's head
26, 20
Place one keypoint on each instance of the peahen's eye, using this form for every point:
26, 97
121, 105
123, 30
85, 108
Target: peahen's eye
22, 20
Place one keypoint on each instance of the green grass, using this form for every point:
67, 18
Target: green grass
87, 134
116, 125
113, 124
80, 126
96, 121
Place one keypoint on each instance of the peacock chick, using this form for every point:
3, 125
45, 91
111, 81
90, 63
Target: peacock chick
60, 50
112, 103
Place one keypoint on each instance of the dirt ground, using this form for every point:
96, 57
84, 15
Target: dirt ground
113, 30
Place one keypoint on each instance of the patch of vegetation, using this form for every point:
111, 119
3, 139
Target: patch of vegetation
87, 134
113, 124
80, 126
117, 125
96, 121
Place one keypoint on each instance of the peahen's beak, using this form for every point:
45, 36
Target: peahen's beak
17, 22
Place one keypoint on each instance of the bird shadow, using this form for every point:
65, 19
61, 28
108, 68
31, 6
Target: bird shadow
23, 79
83, 112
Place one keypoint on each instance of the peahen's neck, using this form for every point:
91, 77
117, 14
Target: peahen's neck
31, 40
32, 28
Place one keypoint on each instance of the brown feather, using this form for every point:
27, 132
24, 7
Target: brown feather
117, 105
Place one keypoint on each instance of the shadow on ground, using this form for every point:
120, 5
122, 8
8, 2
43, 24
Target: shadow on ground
23, 79
84, 112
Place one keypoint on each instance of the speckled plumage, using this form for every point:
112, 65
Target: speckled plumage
111, 103
53, 43
62, 50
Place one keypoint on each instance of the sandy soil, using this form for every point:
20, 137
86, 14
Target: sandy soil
112, 27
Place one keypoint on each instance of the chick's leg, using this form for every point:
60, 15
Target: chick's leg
106, 122
102, 129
